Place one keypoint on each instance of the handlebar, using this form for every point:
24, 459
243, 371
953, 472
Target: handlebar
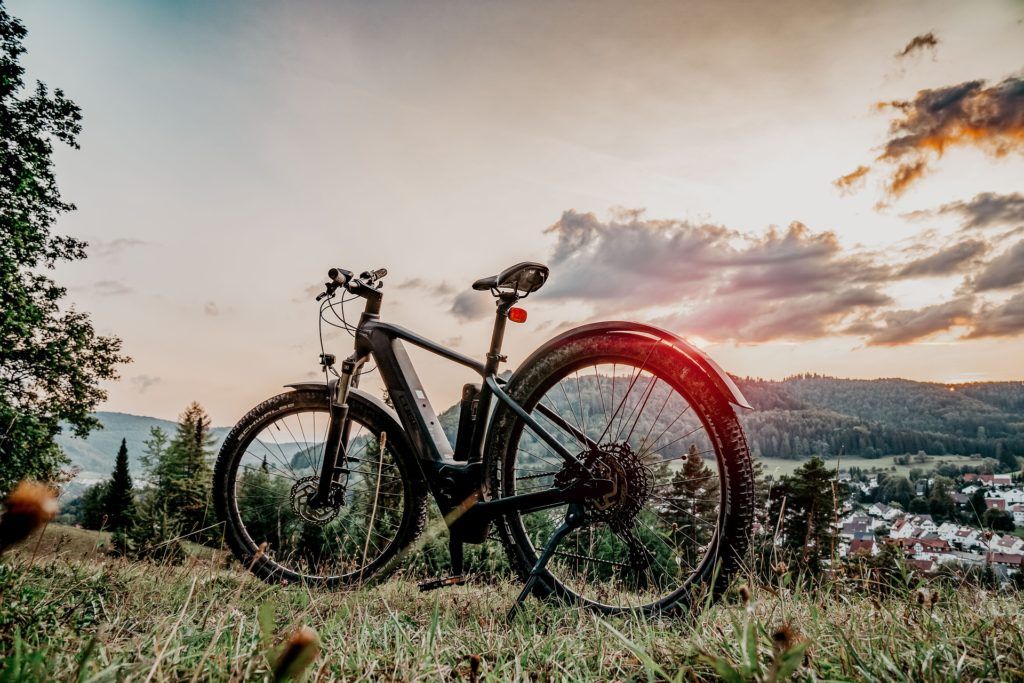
345, 279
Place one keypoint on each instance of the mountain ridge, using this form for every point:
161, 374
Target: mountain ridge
813, 413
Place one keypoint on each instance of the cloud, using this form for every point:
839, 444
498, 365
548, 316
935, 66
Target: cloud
852, 181
102, 248
1006, 320
946, 261
471, 305
985, 210
902, 327
970, 114
435, 288
719, 283
925, 41
754, 321
144, 382
111, 288
1005, 270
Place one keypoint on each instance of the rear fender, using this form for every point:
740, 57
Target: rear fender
715, 374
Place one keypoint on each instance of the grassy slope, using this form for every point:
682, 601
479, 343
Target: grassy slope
128, 620
780, 466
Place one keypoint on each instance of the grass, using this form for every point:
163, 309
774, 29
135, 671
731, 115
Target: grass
70, 613
781, 466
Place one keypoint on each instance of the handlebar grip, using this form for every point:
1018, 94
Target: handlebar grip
374, 275
339, 276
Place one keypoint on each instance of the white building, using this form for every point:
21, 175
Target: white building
1007, 544
883, 511
1018, 514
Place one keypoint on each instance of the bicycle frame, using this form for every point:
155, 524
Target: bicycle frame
456, 484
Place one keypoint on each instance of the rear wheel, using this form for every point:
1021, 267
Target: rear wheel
268, 468
682, 504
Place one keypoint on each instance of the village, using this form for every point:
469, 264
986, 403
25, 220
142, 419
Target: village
961, 541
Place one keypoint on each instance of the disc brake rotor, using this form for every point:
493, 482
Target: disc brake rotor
302, 491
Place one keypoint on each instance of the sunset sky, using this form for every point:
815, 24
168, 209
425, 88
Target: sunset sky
675, 162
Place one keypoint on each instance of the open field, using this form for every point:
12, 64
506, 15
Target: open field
781, 466
106, 619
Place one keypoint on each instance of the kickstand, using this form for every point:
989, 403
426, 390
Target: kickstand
573, 519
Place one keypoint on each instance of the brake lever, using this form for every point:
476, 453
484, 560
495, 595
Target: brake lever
329, 289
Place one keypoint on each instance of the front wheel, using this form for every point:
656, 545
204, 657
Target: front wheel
680, 513
268, 468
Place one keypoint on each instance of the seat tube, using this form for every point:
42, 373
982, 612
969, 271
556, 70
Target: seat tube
491, 364
494, 357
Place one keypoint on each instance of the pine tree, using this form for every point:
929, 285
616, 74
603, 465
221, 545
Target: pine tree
118, 503
155, 446
806, 504
182, 473
693, 503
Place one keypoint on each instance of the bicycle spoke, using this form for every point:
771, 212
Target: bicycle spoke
667, 539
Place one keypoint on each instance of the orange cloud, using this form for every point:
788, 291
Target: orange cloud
852, 181
966, 115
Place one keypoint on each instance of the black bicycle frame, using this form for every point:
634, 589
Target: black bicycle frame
455, 484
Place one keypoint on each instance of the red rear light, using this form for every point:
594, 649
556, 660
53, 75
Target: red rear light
517, 315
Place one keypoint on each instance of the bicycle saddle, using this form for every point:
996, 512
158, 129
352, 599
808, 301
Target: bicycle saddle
524, 278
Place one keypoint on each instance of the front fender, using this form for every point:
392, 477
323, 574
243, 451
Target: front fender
718, 377
369, 398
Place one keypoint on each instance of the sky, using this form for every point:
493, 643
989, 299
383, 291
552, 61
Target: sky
826, 187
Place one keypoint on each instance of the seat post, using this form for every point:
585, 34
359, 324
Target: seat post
505, 301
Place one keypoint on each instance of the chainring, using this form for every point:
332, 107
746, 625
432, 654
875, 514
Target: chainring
301, 492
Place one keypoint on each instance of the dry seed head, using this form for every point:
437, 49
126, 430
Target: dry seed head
29, 506
297, 653
785, 637
745, 593
781, 568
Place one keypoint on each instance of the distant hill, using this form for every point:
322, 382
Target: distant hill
792, 418
814, 414
95, 454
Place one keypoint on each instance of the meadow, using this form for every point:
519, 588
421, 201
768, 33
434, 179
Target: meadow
70, 612
785, 466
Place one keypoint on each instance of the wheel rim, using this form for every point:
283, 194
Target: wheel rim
633, 411
276, 472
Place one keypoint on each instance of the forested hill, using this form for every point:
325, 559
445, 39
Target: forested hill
813, 414
793, 418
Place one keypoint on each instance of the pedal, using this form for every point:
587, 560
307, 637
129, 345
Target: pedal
442, 583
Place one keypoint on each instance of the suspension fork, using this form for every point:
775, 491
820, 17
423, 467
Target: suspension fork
338, 432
